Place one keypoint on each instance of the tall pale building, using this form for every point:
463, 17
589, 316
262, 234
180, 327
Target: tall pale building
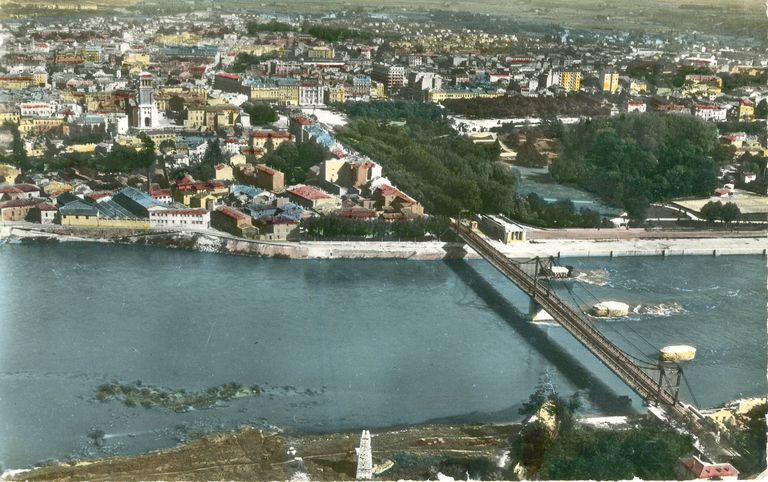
147, 113
610, 81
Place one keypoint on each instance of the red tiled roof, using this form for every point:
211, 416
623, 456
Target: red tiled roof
232, 213
308, 192
300, 119
15, 203
27, 187
387, 190
705, 471
271, 134
266, 169
227, 75
160, 193
46, 207
98, 195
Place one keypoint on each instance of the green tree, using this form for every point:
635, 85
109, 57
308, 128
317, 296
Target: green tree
729, 213
176, 104
147, 155
761, 109
712, 211
260, 113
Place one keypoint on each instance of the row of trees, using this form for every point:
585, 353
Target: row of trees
254, 28
329, 34
572, 105
335, 227
393, 110
632, 160
715, 210
337, 34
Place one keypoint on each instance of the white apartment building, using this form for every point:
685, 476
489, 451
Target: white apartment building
180, 219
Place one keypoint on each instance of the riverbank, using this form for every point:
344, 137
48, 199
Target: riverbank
413, 453
542, 243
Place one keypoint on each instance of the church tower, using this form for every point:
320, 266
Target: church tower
148, 116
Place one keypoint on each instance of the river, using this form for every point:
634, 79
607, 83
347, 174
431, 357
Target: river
342, 344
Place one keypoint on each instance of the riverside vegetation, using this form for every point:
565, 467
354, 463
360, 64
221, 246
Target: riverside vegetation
428, 160
633, 160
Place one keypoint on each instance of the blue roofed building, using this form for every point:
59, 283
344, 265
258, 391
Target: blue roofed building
137, 202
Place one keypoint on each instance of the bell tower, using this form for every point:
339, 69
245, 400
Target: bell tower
147, 110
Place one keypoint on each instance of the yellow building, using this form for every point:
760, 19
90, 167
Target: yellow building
10, 116
570, 81
129, 141
441, 95
258, 49
329, 169
203, 198
746, 110
184, 38
335, 95
320, 53
638, 87
40, 125
16, 82
40, 78
279, 93
54, 188
195, 118
9, 173
136, 60
377, 90
237, 160
91, 54
260, 139
80, 148
696, 84
610, 82
224, 172
91, 221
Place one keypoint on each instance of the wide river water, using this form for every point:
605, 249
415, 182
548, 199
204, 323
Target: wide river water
376, 343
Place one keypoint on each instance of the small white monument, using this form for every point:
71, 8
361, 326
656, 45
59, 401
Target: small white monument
364, 458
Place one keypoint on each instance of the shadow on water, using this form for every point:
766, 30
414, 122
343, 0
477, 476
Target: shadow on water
599, 394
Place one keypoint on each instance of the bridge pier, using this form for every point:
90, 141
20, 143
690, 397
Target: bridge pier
537, 313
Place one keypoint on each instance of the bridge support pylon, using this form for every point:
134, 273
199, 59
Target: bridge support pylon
537, 313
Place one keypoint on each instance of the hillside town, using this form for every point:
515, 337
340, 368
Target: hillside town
177, 123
